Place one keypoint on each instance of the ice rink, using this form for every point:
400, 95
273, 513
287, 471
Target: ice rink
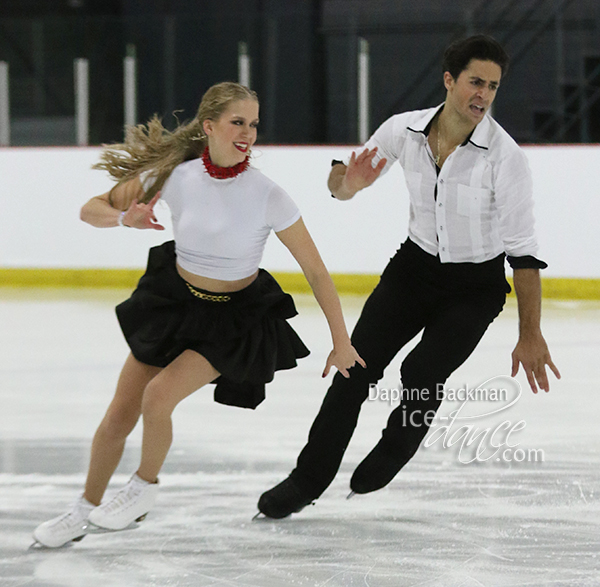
530, 518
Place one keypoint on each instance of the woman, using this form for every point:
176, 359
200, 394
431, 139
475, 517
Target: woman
203, 312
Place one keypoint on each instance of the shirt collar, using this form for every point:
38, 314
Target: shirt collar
479, 137
423, 124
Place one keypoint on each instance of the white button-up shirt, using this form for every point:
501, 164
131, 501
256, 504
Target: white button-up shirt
484, 203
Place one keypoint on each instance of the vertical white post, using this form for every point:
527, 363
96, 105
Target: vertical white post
4, 106
82, 101
363, 91
130, 85
243, 64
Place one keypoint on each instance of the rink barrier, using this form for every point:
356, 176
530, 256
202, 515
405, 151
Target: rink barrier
349, 284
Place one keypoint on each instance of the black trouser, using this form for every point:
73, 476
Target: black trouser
453, 303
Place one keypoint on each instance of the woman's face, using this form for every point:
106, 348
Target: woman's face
232, 135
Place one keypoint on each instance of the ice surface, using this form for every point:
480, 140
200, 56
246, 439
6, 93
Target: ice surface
439, 523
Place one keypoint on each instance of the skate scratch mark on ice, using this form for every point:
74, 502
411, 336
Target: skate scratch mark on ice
235, 580
213, 580
261, 566
437, 580
217, 581
333, 577
342, 572
367, 584
482, 492
502, 558
580, 491
475, 580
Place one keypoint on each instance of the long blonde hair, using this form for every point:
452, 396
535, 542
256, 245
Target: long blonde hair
151, 147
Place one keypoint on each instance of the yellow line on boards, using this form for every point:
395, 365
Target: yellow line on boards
70, 277
357, 284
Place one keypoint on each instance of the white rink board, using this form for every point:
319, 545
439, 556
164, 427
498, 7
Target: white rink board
42, 190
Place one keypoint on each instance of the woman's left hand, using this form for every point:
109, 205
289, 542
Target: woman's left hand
343, 358
142, 216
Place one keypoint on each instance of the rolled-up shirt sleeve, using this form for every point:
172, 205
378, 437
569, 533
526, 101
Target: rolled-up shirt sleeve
526, 262
513, 194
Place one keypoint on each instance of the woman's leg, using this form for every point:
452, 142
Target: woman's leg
120, 419
187, 373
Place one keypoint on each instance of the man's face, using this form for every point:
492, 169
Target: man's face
473, 92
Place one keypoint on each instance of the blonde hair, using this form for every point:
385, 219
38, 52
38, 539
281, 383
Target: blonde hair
151, 147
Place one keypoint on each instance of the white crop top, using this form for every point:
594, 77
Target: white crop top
221, 225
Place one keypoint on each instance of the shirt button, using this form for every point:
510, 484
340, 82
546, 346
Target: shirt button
443, 248
441, 181
441, 228
440, 204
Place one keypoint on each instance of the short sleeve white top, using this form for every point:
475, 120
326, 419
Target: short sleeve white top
221, 225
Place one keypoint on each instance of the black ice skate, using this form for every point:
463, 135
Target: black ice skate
377, 469
284, 499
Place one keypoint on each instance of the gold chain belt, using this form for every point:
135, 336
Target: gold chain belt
207, 297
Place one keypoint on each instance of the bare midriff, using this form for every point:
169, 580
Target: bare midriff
215, 285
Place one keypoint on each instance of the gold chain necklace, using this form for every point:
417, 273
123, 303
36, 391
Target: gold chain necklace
439, 146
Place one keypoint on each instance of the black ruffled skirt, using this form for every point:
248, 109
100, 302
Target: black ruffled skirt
246, 337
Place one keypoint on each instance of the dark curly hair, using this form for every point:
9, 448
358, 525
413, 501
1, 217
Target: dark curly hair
483, 47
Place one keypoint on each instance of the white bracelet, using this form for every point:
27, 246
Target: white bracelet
120, 219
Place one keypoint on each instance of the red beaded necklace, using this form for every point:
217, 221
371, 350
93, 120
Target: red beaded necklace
223, 172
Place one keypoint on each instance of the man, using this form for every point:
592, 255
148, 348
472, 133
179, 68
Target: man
470, 206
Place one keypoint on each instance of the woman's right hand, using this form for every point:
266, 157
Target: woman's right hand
343, 357
142, 216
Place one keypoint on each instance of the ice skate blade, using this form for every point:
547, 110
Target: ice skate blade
261, 516
39, 546
351, 494
93, 529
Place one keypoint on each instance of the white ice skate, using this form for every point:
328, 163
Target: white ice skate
70, 527
130, 504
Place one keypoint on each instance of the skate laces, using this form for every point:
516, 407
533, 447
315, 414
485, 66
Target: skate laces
77, 515
125, 496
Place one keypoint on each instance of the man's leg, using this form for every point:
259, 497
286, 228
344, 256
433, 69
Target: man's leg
392, 316
448, 340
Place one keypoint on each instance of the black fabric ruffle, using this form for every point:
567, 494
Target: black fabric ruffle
246, 338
